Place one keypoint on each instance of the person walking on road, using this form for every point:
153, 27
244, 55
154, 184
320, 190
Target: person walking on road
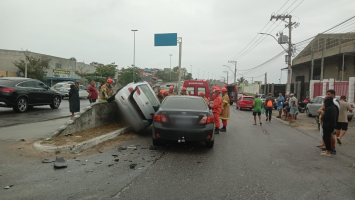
257, 108
106, 90
225, 114
280, 101
171, 91
269, 104
216, 109
286, 107
329, 123
342, 125
293, 107
92, 92
74, 100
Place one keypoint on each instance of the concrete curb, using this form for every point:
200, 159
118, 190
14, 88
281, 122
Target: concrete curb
80, 146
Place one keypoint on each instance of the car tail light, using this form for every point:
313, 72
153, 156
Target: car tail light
157, 134
160, 118
208, 136
6, 90
206, 120
130, 89
138, 91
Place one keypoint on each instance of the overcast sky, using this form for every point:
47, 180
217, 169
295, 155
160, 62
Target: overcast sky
213, 31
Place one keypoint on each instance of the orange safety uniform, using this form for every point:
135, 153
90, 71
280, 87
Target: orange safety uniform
225, 114
216, 110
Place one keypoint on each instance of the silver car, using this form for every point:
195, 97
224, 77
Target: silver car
138, 104
314, 105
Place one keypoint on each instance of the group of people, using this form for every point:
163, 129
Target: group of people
286, 105
105, 91
220, 106
334, 122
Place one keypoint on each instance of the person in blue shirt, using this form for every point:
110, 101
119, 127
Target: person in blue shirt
280, 102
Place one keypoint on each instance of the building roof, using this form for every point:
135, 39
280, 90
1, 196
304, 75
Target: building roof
329, 44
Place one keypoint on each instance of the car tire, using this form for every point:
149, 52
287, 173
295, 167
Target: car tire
56, 103
231, 103
21, 105
308, 114
156, 142
210, 144
349, 119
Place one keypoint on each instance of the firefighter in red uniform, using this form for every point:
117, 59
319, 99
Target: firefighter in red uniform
216, 109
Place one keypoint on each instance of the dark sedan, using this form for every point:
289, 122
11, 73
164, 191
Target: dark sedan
20, 93
183, 118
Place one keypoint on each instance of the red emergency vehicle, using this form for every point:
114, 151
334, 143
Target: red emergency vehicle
193, 87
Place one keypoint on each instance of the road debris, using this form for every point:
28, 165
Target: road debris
132, 147
8, 187
110, 165
69, 134
117, 159
60, 163
87, 171
23, 140
153, 147
47, 160
132, 166
97, 162
122, 148
115, 155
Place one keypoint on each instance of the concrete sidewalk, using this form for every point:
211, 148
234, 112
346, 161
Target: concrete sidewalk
32, 131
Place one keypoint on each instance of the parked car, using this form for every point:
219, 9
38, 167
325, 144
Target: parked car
64, 90
245, 102
138, 104
183, 118
314, 105
20, 93
60, 84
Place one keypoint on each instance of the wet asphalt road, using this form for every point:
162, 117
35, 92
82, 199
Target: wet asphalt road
36, 114
272, 161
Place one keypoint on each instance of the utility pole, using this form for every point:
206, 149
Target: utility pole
235, 69
170, 65
289, 26
265, 91
227, 75
191, 70
134, 47
179, 71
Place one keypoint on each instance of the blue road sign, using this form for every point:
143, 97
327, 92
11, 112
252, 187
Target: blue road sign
165, 39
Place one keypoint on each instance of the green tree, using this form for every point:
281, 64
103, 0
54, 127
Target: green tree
101, 74
175, 69
240, 80
36, 66
188, 76
127, 75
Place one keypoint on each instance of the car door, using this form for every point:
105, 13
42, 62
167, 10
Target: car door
45, 94
146, 100
314, 106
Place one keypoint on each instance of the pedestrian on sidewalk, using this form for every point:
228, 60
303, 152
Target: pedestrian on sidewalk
342, 125
74, 100
331, 93
293, 107
329, 123
93, 95
225, 114
269, 104
280, 101
216, 109
286, 107
257, 108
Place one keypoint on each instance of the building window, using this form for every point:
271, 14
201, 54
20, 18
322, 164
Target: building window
58, 66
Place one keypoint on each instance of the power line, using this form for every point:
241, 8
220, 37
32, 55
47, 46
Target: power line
258, 34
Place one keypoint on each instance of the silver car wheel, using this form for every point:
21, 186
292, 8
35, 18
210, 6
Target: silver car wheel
22, 105
56, 102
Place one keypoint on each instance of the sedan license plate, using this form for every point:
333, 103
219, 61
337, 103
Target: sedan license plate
183, 121
249, 106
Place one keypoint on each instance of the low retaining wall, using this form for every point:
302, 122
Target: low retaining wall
95, 115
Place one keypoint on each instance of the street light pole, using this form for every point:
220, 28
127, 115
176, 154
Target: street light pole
198, 74
134, 47
170, 65
227, 75
191, 70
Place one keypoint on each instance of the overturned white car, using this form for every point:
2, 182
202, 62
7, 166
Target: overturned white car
138, 104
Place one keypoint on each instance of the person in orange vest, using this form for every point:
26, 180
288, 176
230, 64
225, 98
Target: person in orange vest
183, 92
216, 109
225, 114
171, 91
202, 94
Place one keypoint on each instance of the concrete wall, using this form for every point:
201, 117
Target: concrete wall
95, 115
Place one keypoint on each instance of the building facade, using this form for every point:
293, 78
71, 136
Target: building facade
327, 56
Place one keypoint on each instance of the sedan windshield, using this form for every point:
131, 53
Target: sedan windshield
183, 103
